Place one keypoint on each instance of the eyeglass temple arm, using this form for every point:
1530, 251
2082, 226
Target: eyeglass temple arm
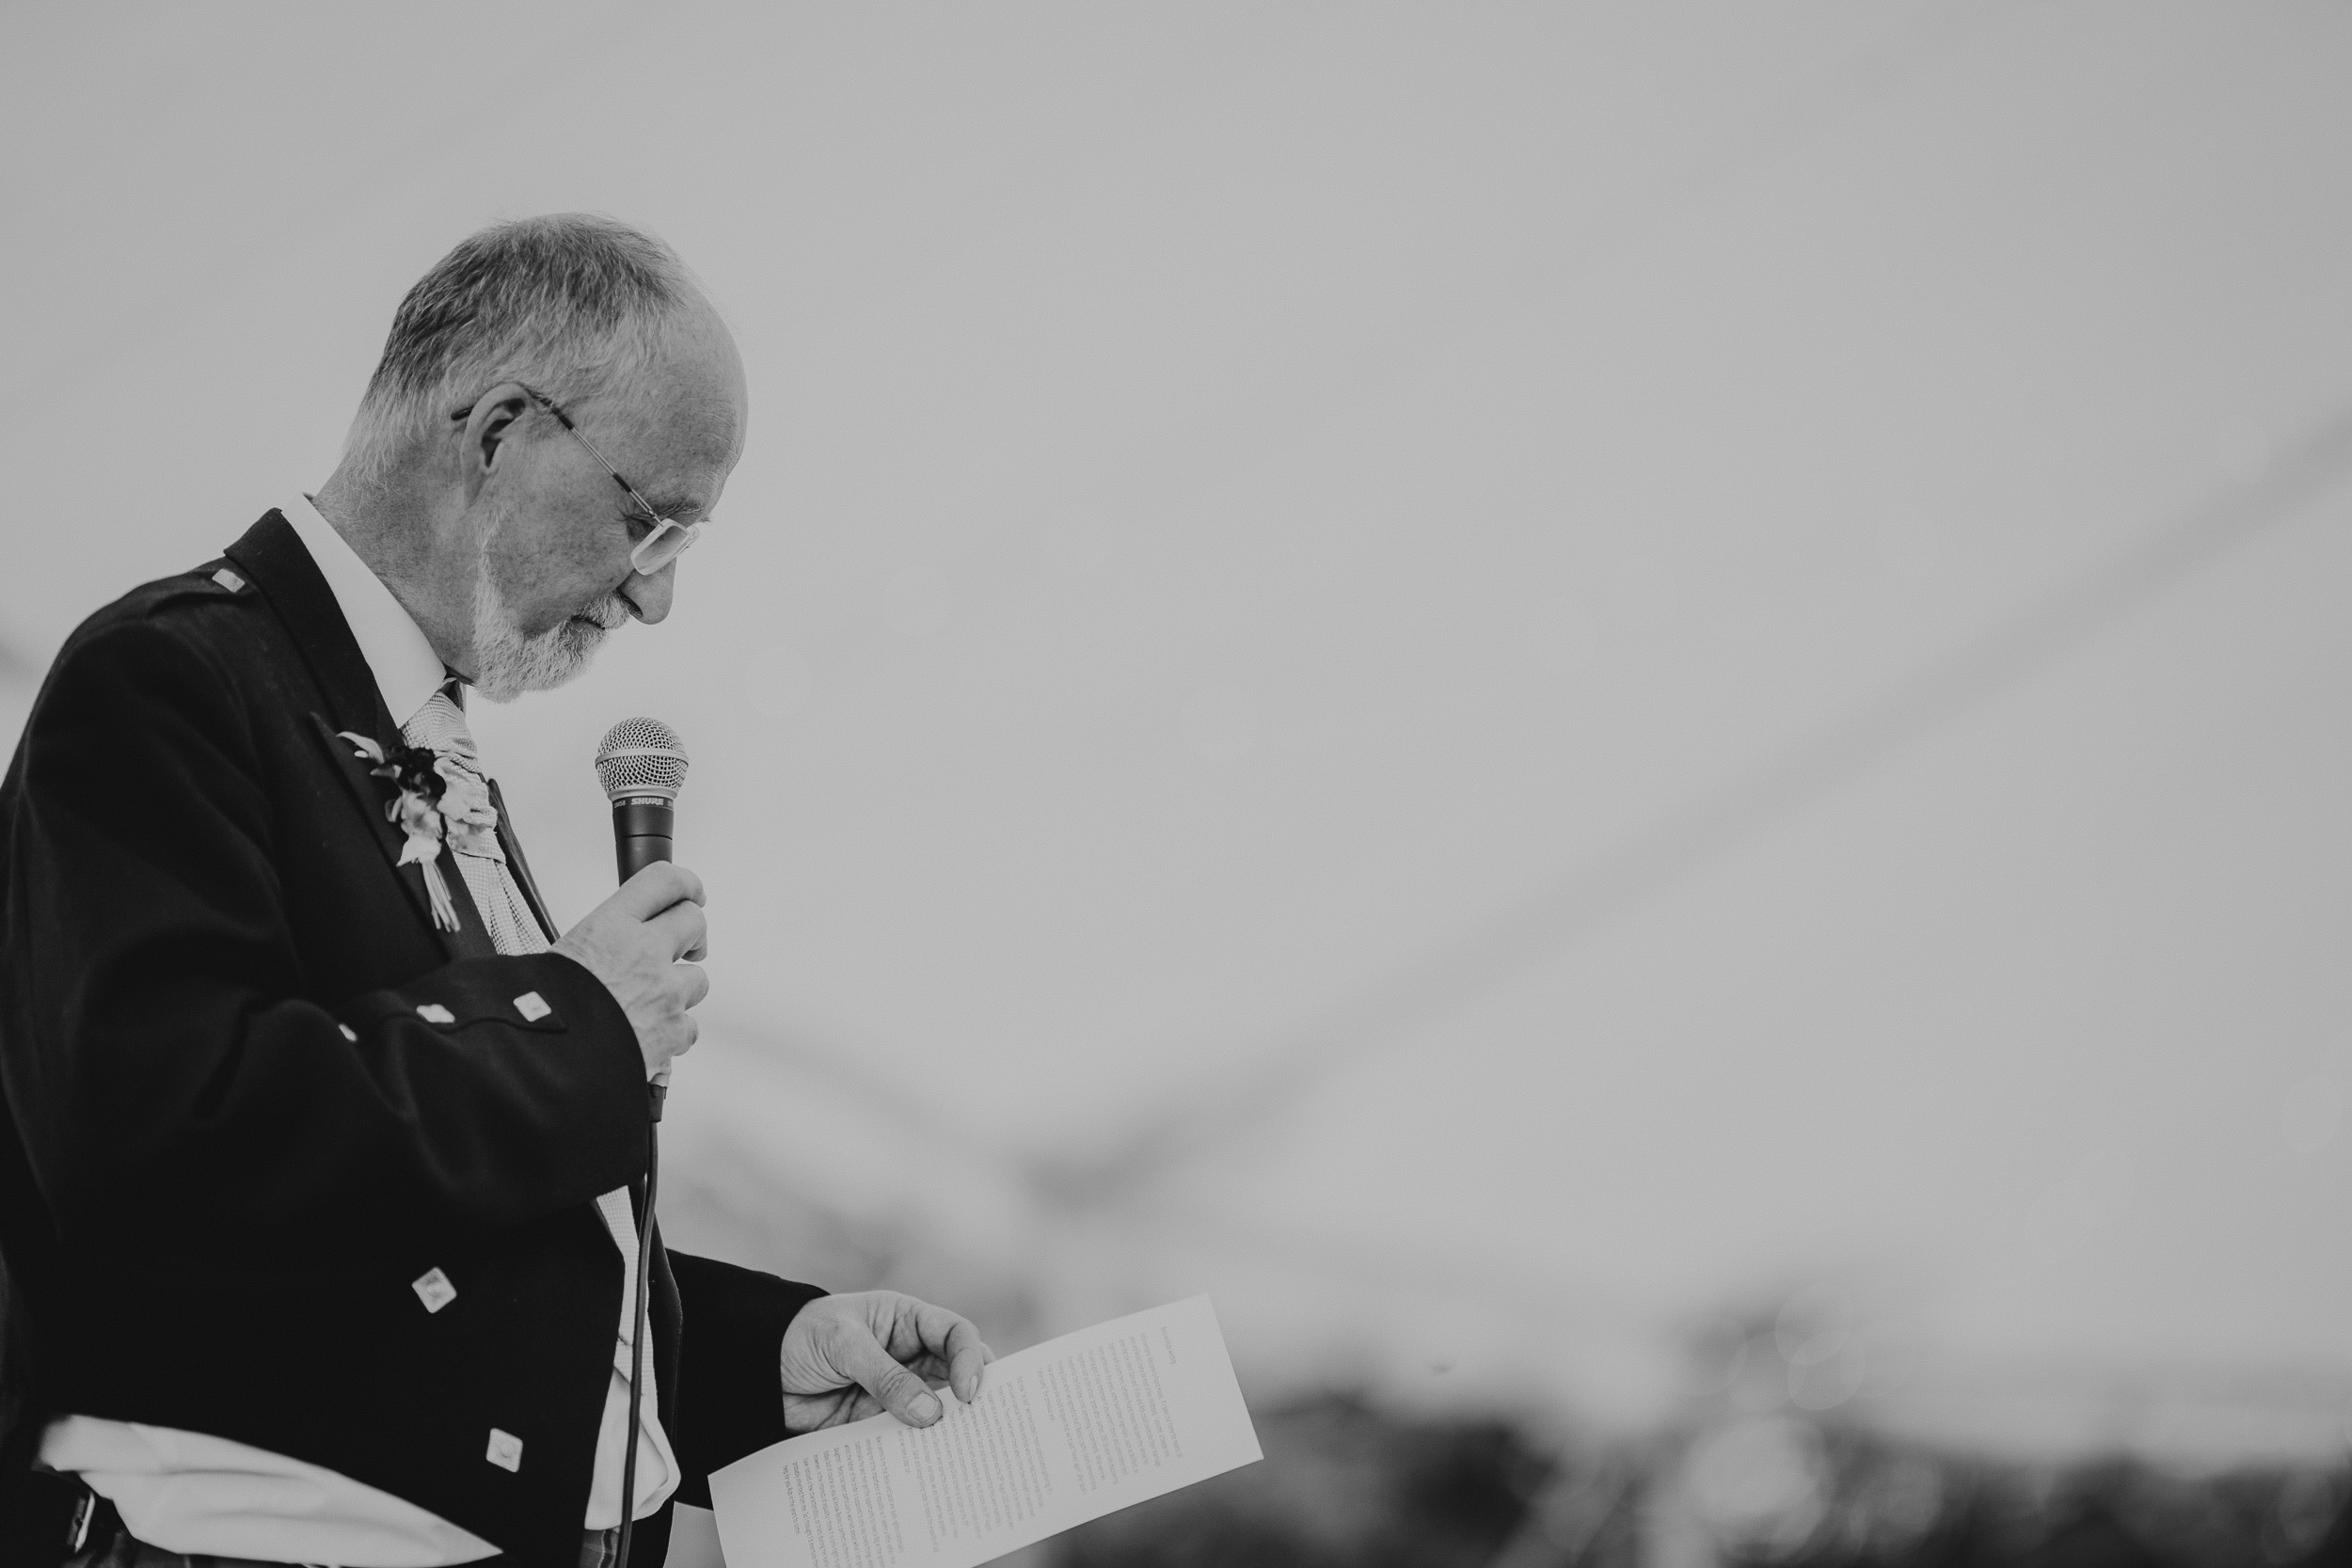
566, 420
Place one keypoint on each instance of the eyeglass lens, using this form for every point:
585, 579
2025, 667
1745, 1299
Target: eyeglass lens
666, 542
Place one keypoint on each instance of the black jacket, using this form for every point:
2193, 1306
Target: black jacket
234, 1144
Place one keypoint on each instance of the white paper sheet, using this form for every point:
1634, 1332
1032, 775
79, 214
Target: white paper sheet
1061, 1433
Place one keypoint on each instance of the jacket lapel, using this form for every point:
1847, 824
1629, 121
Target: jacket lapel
513, 845
273, 558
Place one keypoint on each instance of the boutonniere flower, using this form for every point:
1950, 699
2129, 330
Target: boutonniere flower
436, 798
468, 821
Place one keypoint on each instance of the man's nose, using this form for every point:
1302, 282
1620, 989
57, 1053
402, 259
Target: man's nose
649, 597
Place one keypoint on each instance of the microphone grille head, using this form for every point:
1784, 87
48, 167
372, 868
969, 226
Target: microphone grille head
640, 756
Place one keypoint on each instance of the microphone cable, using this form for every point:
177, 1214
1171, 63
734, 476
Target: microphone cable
655, 1093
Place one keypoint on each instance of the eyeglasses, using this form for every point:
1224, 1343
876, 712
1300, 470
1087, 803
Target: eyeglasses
669, 539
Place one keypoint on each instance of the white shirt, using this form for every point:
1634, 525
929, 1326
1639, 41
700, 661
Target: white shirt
186, 1492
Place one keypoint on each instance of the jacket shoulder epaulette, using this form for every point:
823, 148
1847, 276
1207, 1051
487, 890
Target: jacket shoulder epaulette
215, 582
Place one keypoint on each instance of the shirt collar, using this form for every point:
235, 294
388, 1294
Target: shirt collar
407, 670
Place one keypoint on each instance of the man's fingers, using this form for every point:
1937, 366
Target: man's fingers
684, 927
859, 1356
962, 1348
963, 1373
948, 1341
656, 888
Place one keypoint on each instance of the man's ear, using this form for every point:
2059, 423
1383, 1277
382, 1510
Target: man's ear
488, 426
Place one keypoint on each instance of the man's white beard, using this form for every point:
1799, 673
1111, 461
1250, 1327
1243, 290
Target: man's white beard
508, 663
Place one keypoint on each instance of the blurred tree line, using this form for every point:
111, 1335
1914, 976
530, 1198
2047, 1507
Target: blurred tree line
1345, 1485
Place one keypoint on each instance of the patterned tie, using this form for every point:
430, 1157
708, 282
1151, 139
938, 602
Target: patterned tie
442, 725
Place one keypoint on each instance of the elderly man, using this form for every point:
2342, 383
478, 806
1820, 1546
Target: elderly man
319, 1186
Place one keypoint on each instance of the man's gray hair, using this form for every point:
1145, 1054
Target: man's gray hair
573, 305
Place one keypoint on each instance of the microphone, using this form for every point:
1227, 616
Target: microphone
641, 763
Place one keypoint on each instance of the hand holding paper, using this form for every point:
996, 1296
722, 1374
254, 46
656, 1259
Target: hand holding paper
851, 1357
1060, 1433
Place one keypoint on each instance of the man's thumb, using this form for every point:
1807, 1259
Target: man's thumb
900, 1391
